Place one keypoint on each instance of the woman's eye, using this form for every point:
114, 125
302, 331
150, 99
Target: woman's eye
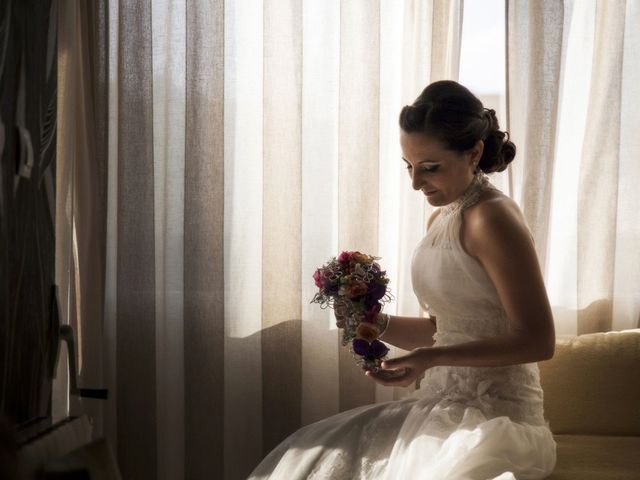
426, 169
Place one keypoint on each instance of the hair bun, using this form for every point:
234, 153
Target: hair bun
492, 120
499, 151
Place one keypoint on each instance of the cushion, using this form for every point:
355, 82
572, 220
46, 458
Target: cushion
592, 384
596, 457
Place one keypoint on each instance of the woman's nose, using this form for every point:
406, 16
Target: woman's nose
416, 181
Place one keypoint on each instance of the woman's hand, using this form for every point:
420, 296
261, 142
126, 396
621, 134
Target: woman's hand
403, 371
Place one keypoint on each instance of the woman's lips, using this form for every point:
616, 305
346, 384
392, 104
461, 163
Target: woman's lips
428, 194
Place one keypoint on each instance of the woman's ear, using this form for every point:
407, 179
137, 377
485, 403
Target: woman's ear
476, 151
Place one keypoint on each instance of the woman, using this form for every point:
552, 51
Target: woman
478, 413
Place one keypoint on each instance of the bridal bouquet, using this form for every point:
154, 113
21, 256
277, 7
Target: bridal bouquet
356, 288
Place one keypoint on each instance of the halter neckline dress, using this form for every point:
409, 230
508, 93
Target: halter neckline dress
462, 423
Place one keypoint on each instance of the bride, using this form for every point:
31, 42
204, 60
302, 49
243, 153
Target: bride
478, 412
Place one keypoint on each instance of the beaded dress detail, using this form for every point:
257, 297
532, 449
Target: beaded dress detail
462, 423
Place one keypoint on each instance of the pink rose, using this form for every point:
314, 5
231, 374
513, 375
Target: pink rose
317, 276
345, 257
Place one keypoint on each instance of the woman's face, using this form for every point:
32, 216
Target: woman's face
441, 174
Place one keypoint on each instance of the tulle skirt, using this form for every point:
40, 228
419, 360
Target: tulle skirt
423, 436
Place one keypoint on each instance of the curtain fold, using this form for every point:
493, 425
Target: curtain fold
599, 180
358, 140
204, 261
136, 311
572, 102
168, 44
281, 221
81, 197
533, 67
243, 235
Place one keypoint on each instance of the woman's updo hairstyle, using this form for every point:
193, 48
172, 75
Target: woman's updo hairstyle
453, 115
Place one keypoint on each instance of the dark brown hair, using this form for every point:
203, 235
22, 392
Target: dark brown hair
453, 115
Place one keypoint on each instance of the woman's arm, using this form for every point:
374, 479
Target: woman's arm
409, 332
495, 234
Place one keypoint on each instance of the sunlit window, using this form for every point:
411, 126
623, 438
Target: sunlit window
482, 60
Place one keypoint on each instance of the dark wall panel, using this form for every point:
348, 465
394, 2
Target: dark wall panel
28, 330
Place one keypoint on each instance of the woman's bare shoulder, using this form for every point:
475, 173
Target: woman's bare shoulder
495, 213
493, 203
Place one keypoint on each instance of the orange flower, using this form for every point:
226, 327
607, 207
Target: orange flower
360, 257
367, 331
357, 288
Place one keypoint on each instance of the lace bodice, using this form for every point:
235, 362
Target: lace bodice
455, 288
450, 284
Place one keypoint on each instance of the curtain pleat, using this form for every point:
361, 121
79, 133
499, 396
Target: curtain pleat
65, 166
562, 258
446, 37
243, 235
136, 284
319, 202
534, 45
357, 150
109, 333
281, 221
419, 50
81, 197
599, 167
392, 179
90, 198
204, 262
168, 32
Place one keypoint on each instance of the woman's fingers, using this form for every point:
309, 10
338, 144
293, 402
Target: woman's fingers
401, 377
397, 377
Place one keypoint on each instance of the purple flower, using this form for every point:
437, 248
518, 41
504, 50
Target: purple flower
375, 349
376, 291
331, 289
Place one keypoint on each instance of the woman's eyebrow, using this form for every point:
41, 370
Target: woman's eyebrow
422, 161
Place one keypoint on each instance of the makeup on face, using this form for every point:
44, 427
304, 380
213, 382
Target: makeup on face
440, 174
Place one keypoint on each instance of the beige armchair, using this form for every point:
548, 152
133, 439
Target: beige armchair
592, 401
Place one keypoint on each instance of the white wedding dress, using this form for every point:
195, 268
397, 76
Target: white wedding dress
462, 423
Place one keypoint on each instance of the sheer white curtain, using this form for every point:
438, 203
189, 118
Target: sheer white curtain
574, 103
248, 142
